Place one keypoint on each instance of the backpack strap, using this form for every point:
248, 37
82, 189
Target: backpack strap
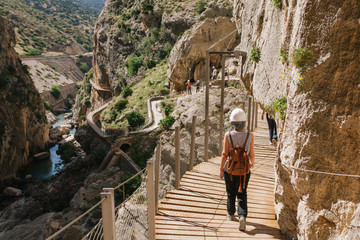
231, 141
247, 136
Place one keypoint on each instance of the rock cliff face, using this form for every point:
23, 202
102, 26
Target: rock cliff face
321, 129
124, 27
187, 59
23, 124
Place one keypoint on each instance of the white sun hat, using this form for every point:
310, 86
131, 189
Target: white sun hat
238, 115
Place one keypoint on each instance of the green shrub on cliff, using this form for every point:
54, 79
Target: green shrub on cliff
127, 91
254, 55
200, 6
277, 3
277, 105
135, 119
121, 104
55, 91
167, 122
133, 64
33, 51
302, 57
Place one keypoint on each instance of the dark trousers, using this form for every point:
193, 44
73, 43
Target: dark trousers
272, 129
189, 90
232, 189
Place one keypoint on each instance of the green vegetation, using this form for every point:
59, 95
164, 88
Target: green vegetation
55, 91
167, 122
121, 104
135, 119
283, 55
84, 67
67, 151
139, 156
33, 51
254, 55
168, 108
302, 57
41, 24
277, 105
48, 107
277, 3
150, 86
134, 63
200, 6
126, 92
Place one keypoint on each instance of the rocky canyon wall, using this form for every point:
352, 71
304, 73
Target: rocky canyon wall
23, 125
321, 130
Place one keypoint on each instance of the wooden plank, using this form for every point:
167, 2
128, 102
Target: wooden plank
198, 209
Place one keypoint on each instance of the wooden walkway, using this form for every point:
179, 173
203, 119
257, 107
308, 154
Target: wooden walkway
198, 209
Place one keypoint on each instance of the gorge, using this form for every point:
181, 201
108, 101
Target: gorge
301, 62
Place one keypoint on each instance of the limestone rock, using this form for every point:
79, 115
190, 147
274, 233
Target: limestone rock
41, 156
23, 126
187, 59
37, 229
75, 232
12, 192
321, 129
57, 132
51, 118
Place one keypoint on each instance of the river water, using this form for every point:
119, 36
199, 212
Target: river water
47, 168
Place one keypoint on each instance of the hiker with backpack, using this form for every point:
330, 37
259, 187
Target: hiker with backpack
237, 158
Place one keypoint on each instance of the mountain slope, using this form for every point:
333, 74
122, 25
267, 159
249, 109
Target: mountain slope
51, 25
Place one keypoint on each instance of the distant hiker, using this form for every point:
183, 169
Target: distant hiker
226, 74
188, 86
214, 72
272, 128
237, 158
197, 86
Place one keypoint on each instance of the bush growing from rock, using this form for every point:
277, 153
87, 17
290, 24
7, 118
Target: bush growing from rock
277, 105
301, 57
133, 64
277, 3
254, 55
167, 122
200, 6
67, 151
33, 51
127, 91
121, 104
135, 119
55, 91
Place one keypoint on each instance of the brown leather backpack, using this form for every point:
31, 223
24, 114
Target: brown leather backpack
238, 163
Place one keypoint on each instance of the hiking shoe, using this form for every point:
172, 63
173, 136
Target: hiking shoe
242, 223
230, 217
274, 142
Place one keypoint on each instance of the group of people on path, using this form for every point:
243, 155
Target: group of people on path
188, 86
237, 160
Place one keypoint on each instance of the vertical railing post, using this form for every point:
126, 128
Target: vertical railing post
151, 200
157, 174
253, 114
108, 214
243, 105
177, 157
192, 147
256, 114
206, 139
221, 120
249, 115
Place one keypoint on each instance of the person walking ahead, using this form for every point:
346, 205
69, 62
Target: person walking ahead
188, 86
236, 185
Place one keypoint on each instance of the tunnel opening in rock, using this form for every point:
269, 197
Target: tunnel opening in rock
125, 147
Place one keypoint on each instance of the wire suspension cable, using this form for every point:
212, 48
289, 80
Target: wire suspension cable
141, 171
